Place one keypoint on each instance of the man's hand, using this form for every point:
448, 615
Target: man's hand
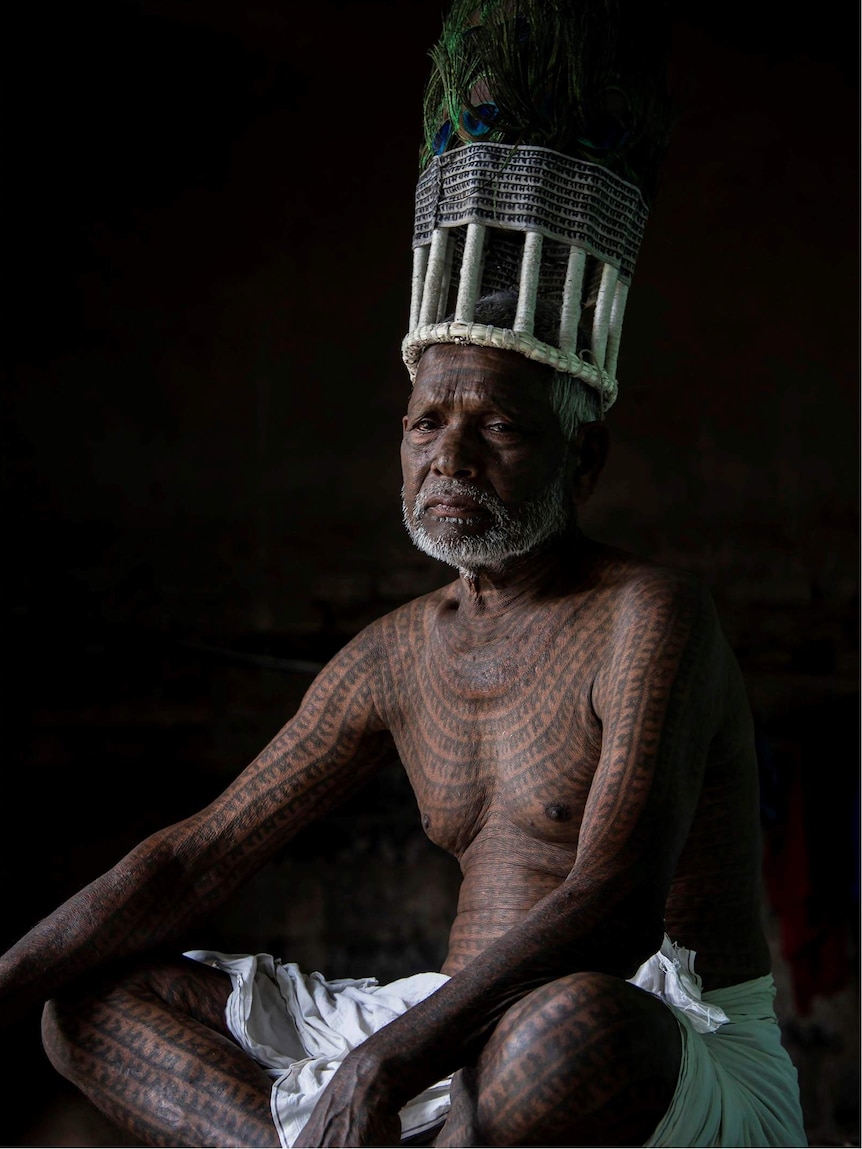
352, 1112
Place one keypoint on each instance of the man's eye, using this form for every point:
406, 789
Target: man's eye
424, 425
502, 428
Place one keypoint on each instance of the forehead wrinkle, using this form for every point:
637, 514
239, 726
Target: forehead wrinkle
459, 383
463, 393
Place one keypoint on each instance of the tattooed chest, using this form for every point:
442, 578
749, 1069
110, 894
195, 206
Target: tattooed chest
527, 764
498, 729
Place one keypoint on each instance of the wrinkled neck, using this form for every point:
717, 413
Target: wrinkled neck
492, 594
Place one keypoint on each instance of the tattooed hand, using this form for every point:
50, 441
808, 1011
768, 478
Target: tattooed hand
352, 1112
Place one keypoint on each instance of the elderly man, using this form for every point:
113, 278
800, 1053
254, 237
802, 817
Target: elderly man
571, 719
576, 733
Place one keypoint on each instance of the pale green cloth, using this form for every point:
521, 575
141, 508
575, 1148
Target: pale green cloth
737, 1086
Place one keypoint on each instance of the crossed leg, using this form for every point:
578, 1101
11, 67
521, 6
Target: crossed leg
149, 1046
586, 1060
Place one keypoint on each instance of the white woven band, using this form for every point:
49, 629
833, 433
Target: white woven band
481, 335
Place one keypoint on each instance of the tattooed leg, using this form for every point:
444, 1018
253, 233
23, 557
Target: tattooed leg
151, 1049
586, 1060
460, 1128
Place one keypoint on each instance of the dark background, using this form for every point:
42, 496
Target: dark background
207, 220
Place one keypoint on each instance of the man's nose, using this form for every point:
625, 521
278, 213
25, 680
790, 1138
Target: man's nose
456, 456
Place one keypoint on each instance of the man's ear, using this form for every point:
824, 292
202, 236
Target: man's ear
587, 456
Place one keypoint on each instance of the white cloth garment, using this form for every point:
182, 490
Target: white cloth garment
299, 1027
669, 974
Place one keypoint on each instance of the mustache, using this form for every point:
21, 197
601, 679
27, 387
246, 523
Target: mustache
440, 488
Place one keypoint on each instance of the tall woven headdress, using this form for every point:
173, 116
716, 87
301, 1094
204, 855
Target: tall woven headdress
545, 122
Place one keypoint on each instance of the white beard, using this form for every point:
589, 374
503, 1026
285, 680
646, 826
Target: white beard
510, 535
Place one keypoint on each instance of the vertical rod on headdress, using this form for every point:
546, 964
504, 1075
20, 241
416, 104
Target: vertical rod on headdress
615, 330
529, 285
420, 265
602, 315
434, 277
570, 314
471, 273
446, 277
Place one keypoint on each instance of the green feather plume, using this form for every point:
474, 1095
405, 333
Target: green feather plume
587, 79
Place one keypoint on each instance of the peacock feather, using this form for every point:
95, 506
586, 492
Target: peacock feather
583, 77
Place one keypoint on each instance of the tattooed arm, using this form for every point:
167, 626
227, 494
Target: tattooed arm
658, 696
330, 748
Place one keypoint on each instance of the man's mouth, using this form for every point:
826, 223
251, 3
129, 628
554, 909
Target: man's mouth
452, 502
452, 508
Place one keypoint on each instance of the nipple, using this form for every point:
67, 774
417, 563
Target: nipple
426, 822
558, 812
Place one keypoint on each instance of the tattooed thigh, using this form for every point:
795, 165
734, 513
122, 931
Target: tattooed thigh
585, 1060
185, 987
148, 1044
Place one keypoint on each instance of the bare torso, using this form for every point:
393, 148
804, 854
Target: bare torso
578, 737
576, 732
499, 733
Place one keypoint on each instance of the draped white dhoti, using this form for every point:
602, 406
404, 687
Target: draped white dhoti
300, 1027
736, 1087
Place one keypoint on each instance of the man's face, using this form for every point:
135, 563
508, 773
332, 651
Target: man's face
483, 457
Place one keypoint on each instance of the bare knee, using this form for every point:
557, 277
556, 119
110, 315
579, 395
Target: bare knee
575, 1005
70, 1018
64, 1026
583, 1057
53, 1041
